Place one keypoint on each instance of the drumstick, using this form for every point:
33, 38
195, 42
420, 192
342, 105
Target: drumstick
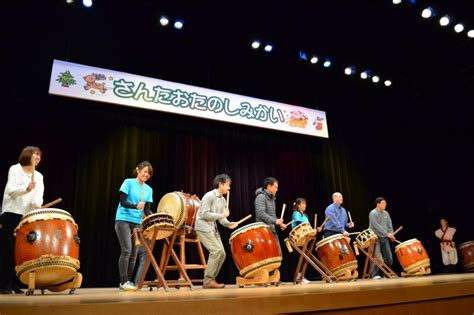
324, 222
315, 220
228, 193
356, 248
52, 203
33, 167
352, 233
283, 211
244, 219
398, 230
350, 218
290, 222
397, 241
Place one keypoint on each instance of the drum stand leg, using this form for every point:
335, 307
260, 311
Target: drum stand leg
371, 256
309, 258
160, 282
165, 264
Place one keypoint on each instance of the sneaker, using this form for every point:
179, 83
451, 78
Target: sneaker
305, 281
127, 286
377, 277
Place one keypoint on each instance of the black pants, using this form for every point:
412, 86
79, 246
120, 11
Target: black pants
8, 278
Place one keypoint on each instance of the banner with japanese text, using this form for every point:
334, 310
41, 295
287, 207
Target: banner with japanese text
102, 85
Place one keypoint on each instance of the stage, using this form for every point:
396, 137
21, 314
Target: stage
441, 294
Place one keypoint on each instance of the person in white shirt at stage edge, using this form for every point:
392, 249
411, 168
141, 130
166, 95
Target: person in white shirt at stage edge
337, 222
445, 235
213, 208
23, 193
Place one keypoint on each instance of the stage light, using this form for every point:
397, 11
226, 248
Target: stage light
87, 3
164, 21
428, 12
397, 1
255, 44
375, 79
458, 28
69, 1
349, 70
470, 34
302, 55
178, 24
268, 48
327, 63
387, 83
364, 74
314, 59
444, 20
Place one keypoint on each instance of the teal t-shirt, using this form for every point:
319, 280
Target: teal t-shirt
298, 218
134, 192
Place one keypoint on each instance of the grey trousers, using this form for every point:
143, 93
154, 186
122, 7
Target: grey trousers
213, 243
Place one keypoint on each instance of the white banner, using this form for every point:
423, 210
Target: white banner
96, 84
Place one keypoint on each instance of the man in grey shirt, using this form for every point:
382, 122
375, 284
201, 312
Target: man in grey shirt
381, 223
213, 208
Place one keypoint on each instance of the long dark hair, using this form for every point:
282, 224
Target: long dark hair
141, 166
297, 202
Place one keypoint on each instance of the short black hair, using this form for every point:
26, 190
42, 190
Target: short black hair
269, 181
379, 200
221, 178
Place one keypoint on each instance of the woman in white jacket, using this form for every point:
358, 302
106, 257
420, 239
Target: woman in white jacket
23, 193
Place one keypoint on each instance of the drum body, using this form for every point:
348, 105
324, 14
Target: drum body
466, 251
181, 206
412, 256
365, 238
336, 253
48, 244
299, 234
161, 220
254, 248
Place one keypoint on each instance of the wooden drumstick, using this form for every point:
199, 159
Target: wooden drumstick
228, 193
283, 211
33, 167
315, 220
398, 230
397, 241
324, 222
350, 218
353, 233
135, 235
244, 219
52, 203
289, 222
356, 248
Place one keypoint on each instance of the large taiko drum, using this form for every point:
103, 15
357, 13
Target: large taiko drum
181, 206
336, 253
413, 257
301, 232
466, 251
47, 243
254, 248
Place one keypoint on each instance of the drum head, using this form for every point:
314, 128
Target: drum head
173, 204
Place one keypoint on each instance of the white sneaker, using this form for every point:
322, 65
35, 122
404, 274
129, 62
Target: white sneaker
127, 286
305, 281
377, 277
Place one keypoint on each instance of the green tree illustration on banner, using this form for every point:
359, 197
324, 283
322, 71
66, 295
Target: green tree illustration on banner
66, 79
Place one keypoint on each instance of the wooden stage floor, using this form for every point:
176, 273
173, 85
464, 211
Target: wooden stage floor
442, 294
